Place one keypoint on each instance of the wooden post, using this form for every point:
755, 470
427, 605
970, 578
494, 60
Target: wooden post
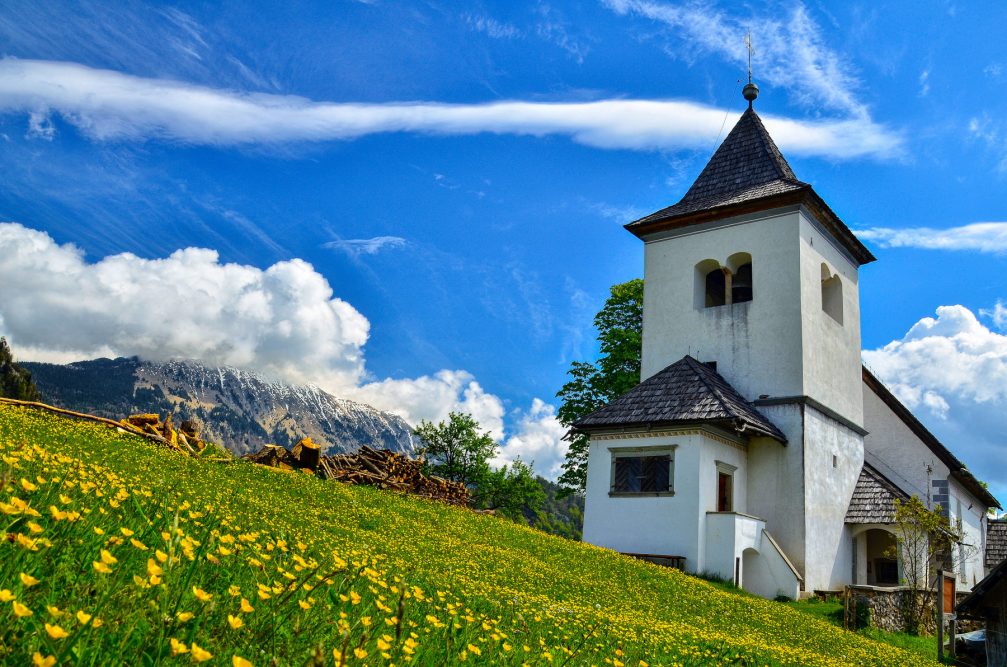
939, 594
737, 572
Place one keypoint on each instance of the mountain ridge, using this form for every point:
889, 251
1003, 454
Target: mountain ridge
239, 409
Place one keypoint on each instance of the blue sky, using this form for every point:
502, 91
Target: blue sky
457, 174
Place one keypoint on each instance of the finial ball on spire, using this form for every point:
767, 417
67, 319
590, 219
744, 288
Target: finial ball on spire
750, 92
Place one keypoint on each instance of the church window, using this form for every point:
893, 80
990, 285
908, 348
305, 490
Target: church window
643, 471
718, 285
832, 294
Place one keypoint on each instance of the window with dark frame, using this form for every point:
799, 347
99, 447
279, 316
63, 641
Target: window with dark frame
650, 473
725, 492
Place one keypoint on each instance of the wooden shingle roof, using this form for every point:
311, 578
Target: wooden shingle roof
996, 542
874, 498
748, 172
686, 392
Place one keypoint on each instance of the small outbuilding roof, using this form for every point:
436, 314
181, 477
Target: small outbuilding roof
996, 542
873, 498
686, 392
985, 595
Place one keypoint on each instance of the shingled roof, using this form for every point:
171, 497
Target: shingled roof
996, 542
873, 498
747, 171
686, 392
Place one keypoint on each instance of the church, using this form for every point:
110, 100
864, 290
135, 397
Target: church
757, 447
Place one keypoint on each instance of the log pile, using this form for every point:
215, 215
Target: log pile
384, 469
185, 438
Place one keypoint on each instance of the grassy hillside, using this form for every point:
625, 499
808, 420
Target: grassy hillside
120, 552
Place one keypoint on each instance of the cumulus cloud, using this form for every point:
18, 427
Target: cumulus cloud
106, 105
982, 236
282, 321
357, 247
953, 369
538, 439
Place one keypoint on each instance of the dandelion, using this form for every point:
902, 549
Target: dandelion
153, 569
34, 528
184, 616
27, 580
201, 595
246, 608
360, 653
56, 632
107, 558
100, 567
54, 611
38, 660
304, 605
238, 661
474, 649
234, 621
137, 544
83, 618
6, 595
20, 610
177, 647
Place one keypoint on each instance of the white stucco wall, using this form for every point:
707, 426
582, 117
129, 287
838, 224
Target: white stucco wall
665, 525
828, 489
753, 343
892, 448
830, 350
776, 481
966, 507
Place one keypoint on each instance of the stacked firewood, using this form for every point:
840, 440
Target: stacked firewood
384, 469
185, 438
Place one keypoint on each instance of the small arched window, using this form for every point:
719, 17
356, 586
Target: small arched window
718, 285
832, 294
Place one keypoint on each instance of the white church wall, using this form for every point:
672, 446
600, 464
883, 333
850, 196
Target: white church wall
970, 511
753, 343
713, 452
664, 525
776, 481
892, 448
833, 457
830, 348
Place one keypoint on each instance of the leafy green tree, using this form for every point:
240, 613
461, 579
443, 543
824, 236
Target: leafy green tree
456, 450
593, 385
15, 382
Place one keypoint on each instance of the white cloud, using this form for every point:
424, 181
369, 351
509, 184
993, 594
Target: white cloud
434, 397
357, 247
282, 321
924, 82
954, 369
111, 106
981, 236
492, 27
789, 51
998, 313
538, 440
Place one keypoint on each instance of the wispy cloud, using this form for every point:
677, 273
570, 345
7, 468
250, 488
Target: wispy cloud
789, 51
491, 27
998, 313
372, 246
982, 236
111, 106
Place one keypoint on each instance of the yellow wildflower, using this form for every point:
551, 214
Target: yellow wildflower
34, 527
56, 632
201, 595
6, 595
360, 653
100, 567
20, 610
153, 569
178, 647
238, 661
54, 611
183, 616
245, 607
304, 605
28, 580
83, 618
126, 532
38, 660
107, 558
234, 621
200, 655
474, 649
233, 591
161, 556
138, 544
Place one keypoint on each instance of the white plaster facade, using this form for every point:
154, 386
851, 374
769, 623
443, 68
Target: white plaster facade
794, 352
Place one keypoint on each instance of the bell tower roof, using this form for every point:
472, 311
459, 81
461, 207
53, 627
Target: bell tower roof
748, 173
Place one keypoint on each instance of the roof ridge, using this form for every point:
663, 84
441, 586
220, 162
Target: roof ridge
701, 374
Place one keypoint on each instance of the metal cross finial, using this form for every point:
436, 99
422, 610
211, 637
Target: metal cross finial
748, 43
750, 91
